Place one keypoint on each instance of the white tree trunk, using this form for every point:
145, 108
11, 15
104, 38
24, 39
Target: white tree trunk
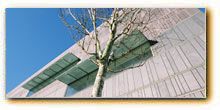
99, 81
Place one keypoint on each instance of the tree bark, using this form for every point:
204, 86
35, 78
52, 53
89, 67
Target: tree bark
99, 81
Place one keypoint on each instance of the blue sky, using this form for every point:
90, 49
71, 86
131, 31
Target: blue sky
34, 37
202, 10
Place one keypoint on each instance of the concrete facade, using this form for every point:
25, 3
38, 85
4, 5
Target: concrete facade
176, 70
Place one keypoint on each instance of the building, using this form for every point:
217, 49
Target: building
174, 67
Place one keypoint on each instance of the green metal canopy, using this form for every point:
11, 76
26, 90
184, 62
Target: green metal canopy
132, 49
78, 71
48, 75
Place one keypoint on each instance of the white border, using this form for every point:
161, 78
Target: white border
212, 5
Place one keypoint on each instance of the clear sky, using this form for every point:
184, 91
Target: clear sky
202, 10
33, 38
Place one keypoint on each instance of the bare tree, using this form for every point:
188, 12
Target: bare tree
84, 25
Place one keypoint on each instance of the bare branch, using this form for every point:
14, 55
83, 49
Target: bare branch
78, 21
97, 42
112, 29
129, 25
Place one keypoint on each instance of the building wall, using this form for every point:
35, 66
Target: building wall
18, 93
177, 68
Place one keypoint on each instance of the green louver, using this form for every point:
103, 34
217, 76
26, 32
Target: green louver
48, 75
78, 71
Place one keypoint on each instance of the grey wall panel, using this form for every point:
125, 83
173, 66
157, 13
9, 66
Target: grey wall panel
198, 94
121, 85
163, 89
117, 84
167, 64
202, 72
199, 49
126, 85
113, 87
191, 81
170, 87
177, 79
138, 81
174, 55
148, 92
184, 84
201, 42
176, 86
193, 27
153, 70
156, 90
145, 75
130, 80
160, 68
192, 55
198, 78
147, 65
183, 57
109, 87
172, 63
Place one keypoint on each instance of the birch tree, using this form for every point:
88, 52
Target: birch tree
84, 23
